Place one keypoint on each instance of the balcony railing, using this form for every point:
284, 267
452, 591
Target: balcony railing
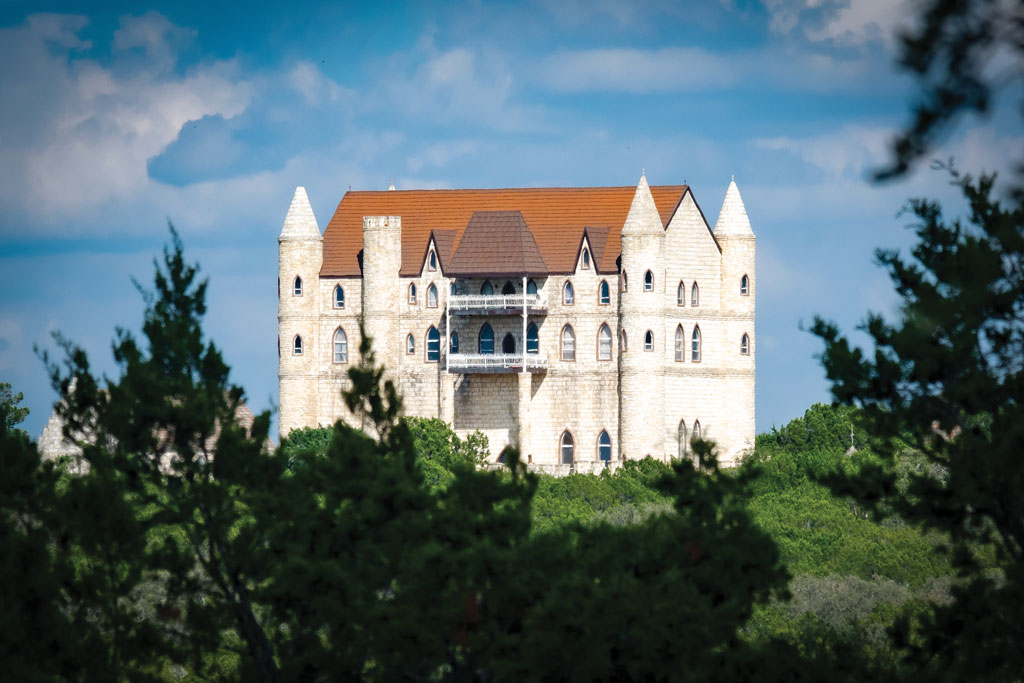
511, 303
496, 362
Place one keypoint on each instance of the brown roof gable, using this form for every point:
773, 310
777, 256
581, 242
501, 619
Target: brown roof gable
497, 243
556, 217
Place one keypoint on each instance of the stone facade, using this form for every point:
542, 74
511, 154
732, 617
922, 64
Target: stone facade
636, 373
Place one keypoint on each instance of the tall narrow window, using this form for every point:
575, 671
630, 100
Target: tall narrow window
568, 295
648, 281
648, 341
565, 448
451, 289
604, 293
485, 342
431, 296
680, 344
695, 295
531, 287
454, 346
340, 346
410, 344
624, 283
486, 289
509, 288
744, 285
696, 429
684, 447
339, 297
586, 258
681, 294
695, 345
297, 286
431, 260
745, 345
568, 343
412, 294
508, 344
433, 344
604, 343
297, 346
532, 339
604, 448
622, 341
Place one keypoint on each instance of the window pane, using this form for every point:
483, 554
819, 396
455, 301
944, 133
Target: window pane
568, 344
694, 295
455, 342
298, 286
531, 287
410, 344
532, 340
695, 345
604, 447
567, 293
606, 295
649, 341
680, 349
339, 297
485, 343
648, 281
340, 347
432, 296
433, 344
297, 348
681, 295
604, 343
566, 448
412, 294
486, 289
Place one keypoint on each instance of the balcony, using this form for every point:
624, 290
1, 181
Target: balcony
495, 304
475, 363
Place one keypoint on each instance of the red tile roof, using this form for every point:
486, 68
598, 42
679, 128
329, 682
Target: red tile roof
556, 216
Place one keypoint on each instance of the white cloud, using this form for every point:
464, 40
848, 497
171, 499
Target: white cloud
632, 70
307, 79
844, 22
846, 153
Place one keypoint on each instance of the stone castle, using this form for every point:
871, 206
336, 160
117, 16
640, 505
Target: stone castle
585, 326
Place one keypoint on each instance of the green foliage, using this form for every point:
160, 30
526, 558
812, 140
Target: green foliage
305, 443
441, 453
13, 414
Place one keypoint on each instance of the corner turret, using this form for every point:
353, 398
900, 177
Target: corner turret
732, 219
643, 216
300, 223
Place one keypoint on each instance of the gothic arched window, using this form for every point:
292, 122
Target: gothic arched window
744, 285
696, 429
412, 294
531, 287
648, 281
745, 344
568, 294
433, 344
565, 448
532, 339
622, 342
586, 258
683, 445
508, 343
695, 295
454, 346
297, 346
339, 297
451, 288
681, 294
431, 296
486, 289
568, 343
604, 343
604, 448
485, 342
648, 341
604, 293
410, 344
431, 260
297, 286
509, 288
680, 344
340, 346
695, 345
624, 282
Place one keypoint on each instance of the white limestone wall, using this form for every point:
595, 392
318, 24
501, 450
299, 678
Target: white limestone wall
298, 315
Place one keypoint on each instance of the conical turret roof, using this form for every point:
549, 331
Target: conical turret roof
643, 215
732, 219
300, 223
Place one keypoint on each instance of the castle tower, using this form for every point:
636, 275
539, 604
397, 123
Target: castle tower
641, 304
299, 257
738, 287
382, 260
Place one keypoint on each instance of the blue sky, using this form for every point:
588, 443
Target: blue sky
118, 118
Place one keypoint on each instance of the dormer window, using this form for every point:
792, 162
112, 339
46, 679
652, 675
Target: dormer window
486, 288
339, 297
432, 261
297, 286
412, 294
568, 295
586, 258
648, 281
744, 286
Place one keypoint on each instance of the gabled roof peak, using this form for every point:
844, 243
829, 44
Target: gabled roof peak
300, 223
643, 215
732, 219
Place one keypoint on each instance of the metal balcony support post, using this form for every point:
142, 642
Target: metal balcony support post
447, 325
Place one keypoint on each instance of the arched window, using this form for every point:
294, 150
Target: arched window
410, 344
604, 293
680, 344
648, 281
509, 288
532, 339
454, 346
684, 446
297, 286
433, 344
431, 260
431, 296
744, 285
486, 289
451, 289
624, 282
681, 294
695, 345
339, 297
531, 287
622, 341
508, 343
604, 448
696, 429
340, 346
485, 342
568, 343
695, 295
604, 343
412, 294
648, 341
745, 344
568, 295
586, 258
565, 448
297, 346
